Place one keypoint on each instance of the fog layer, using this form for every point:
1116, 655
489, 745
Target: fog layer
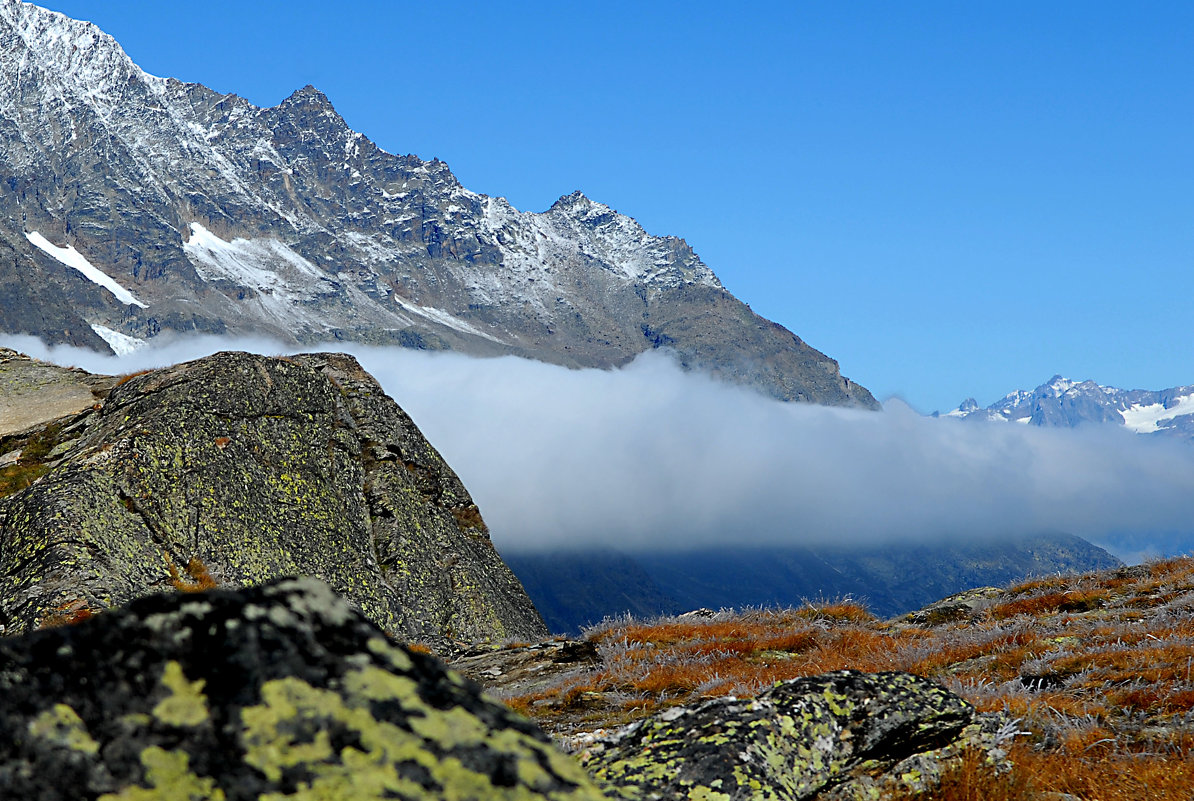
649, 456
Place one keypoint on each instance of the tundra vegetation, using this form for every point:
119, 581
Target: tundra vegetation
1096, 669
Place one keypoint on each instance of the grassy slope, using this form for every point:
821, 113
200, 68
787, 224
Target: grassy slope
1096, 667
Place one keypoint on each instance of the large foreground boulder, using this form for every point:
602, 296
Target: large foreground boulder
838, 736
246, 468
276, 692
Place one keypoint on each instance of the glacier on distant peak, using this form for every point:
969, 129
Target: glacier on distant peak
1066, 403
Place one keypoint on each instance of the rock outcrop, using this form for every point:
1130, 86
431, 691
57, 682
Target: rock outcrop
838, 736
279, 691
33, 392
246, 468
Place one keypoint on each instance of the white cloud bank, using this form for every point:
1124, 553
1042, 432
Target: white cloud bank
651, 457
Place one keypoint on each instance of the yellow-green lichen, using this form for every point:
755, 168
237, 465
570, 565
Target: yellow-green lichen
62, 726
186, 705
275, 738
396, 657
170, 778
707, 794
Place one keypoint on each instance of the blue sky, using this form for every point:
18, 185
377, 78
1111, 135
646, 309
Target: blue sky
950, 199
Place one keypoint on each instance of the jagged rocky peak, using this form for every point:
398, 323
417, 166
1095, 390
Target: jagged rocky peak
308, 95
318, 234
80, 54
573, 200
240, 468
1061, 401
1059, 384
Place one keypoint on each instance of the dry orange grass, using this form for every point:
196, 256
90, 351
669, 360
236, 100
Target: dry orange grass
1070, 601
973, 780
1099, 670
1066, 775
195, 577
127, 377
1109, 776
68, 614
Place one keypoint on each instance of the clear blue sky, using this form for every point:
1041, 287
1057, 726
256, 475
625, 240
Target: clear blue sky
951, 199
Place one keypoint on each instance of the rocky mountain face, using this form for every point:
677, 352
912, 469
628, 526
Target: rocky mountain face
1066, 403
236, 469
132, 206
890, 579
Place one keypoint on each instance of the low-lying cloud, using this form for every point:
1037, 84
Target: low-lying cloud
651, 457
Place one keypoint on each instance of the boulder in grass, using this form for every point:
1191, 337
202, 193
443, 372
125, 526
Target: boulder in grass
838, 736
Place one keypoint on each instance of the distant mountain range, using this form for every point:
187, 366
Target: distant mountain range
133, 206
572, 589
1062, 402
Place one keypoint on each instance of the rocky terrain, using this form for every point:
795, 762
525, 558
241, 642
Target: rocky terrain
284, 691
842, 735
573, 589
133, 206
281, 691
1087, 677
1066, 403
1071, 687
232, 470
35, 392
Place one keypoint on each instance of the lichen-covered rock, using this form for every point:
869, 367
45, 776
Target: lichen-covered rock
843, 735
258, 468
275, 692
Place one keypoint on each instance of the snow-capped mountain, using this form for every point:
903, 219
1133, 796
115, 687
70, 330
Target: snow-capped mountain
135, 205
1062, 402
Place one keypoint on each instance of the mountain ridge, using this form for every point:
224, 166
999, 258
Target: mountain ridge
889, 579
223, 217
1062, 402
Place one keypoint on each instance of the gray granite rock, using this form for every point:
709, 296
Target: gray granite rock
244, 468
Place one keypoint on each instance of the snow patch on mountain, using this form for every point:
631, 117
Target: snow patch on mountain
75, 260
281, 280
1146, 419
1066, 403
121, 344
308, 231
443, 318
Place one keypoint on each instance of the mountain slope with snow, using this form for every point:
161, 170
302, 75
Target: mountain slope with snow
218, 216
1062, 402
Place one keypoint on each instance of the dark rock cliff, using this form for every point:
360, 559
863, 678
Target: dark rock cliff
248, 468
